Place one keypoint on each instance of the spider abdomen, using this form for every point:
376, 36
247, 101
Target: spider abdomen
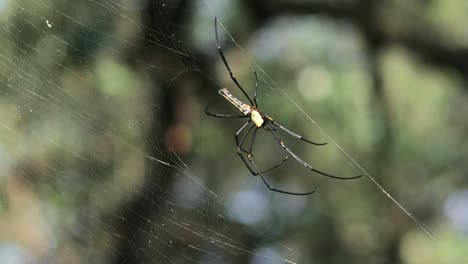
243, 107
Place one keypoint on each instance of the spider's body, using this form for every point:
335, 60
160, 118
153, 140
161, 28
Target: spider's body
246, 109
258, 120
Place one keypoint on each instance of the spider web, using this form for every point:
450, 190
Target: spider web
348, 158
76, 120
108, 157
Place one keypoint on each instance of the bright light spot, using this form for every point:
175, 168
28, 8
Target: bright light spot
11, 253
290, 207
266, 45
456, 209
48, 23
248, 207
416, 247
2, 4
266, 255
314, 82
189, 192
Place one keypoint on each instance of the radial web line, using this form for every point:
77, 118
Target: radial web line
325, 134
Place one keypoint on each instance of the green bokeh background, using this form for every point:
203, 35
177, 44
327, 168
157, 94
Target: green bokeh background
107, 156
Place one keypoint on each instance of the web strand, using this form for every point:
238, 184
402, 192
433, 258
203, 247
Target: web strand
323, 132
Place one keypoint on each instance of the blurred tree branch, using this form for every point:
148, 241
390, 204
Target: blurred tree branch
373, 17
381, 23
132, 222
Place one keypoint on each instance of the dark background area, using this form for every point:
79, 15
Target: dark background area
108, 157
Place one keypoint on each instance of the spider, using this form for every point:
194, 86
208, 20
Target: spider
259, 120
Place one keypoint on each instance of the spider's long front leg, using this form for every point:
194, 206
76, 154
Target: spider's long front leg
256, 90
221, 54
305, 164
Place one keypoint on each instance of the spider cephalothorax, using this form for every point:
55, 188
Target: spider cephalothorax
258, 120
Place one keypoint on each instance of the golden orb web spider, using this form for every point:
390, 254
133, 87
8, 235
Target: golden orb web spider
258, 120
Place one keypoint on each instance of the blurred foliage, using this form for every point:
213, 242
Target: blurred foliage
107, 155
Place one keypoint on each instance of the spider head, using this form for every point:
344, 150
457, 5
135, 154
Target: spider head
257, 118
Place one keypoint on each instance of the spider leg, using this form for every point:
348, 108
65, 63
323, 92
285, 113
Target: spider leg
305, 164
223, 115
282, 191
252, 141
221, 54
256, 173
268, 129
265, 181
296, 135
249, 155
236, 136
249, 152
256, 89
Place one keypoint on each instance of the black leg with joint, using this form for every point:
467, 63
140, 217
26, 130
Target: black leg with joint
295, 134
221, 54
305, 164
223, 115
